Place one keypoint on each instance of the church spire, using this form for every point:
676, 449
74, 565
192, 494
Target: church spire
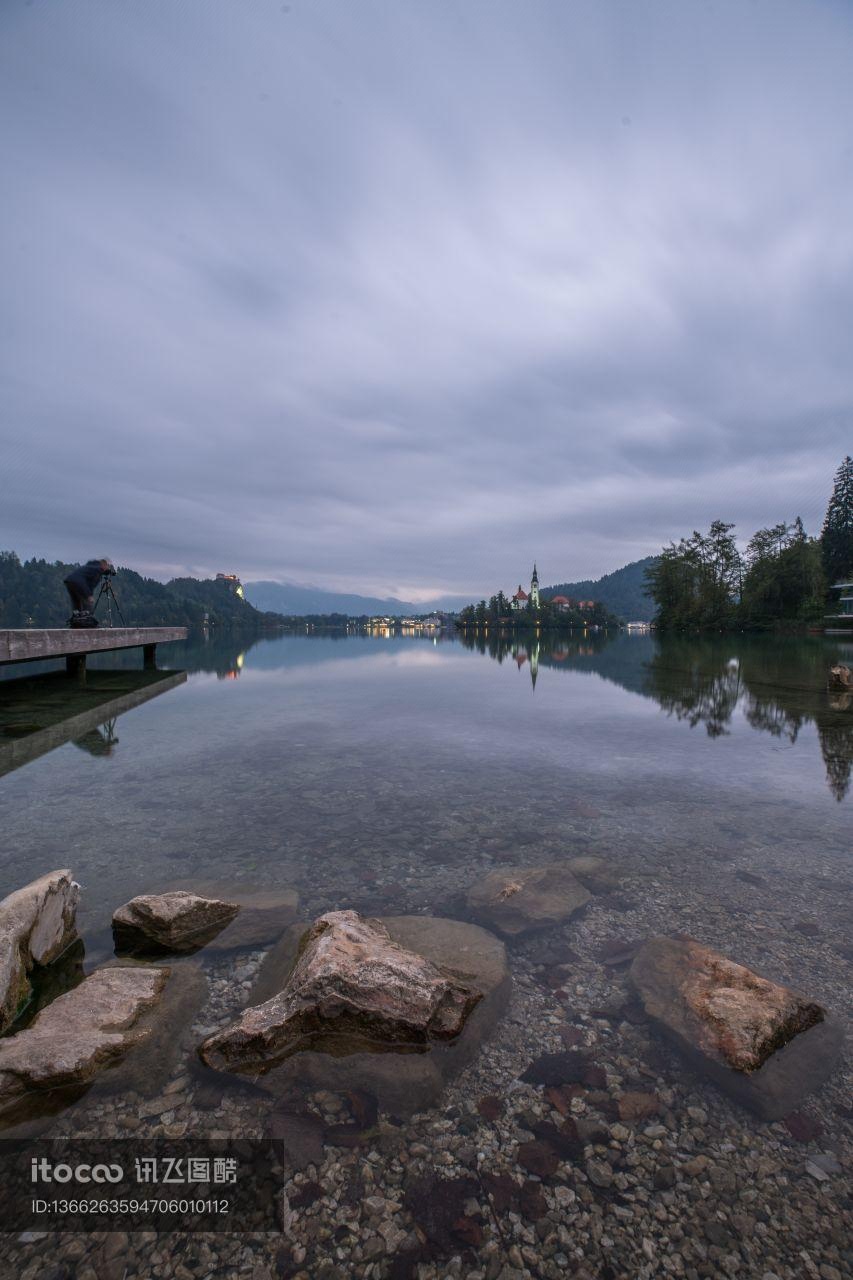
534, 588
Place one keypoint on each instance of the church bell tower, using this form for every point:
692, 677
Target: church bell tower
534, 589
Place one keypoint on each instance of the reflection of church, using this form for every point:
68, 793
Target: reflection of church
521, 599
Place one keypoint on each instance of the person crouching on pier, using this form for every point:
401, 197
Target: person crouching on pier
80, 585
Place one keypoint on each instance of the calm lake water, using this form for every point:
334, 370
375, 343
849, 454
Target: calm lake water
389, 775
386, 771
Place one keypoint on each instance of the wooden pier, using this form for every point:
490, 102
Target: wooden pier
75, 646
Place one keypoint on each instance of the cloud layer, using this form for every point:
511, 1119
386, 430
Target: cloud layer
397, 297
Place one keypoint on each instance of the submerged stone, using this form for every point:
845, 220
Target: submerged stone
763, 1043
176, 921
37, 923
75, 1038
392, 1006
352, 989
518, 900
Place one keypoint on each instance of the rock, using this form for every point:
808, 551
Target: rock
407, 1074
763, 1043
538, 1157
618, 951
596, 874
351, 990
75, 1038
599, 1173
177, 921
638, 1106
803, 1128
518, 900
840, 678
490, 1107
37, 923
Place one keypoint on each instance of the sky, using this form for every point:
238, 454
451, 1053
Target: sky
400, 296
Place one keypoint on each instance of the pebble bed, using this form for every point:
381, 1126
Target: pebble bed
670, 1178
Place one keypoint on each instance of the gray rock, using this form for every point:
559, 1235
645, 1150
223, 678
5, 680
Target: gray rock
175, 921
519, 900
403, 1080
37, 923
75, 1038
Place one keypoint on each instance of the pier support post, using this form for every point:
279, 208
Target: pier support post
75, 665
149, 657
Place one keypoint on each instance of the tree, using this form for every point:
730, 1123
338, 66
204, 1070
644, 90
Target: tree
697, 582
836, 539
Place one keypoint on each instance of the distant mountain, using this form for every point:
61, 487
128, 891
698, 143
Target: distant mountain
291, 599
623, 591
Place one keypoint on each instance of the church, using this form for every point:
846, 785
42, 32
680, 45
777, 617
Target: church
521, 598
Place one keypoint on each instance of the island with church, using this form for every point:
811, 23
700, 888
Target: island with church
536, 610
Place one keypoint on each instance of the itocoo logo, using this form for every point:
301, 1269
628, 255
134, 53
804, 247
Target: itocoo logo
42, 1170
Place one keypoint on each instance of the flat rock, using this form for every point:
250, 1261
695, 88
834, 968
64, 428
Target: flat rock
761, 1042
596, 874
37, 923
177, 921
75, 1038
405, 1076
519, 900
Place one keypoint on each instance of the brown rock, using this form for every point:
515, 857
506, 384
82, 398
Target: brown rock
638, 1106
762, 1042
36, 926
490, 1107
176, 921
538, 1157
517, 900
76, 1037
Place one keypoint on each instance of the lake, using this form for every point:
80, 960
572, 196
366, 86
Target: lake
390, 774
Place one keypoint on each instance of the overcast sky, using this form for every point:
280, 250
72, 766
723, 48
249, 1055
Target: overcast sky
400, 296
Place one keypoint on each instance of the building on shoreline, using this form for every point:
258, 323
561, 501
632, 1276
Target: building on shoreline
522, 599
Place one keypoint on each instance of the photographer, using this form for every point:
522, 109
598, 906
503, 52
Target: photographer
80, 585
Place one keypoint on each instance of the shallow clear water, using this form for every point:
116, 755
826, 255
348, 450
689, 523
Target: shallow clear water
329, 764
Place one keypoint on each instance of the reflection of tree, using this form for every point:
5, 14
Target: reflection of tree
779, 687
835, 747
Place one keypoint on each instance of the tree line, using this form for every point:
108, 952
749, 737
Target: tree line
498, 611
32, 594
784, 576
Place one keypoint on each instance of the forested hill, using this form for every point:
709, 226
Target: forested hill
623, 591
32, 594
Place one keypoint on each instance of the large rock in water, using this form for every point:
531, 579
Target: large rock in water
75, 1038
416, 996
518, 900
763, 1043
37, 923
178, 921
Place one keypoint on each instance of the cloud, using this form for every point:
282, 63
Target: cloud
396, 298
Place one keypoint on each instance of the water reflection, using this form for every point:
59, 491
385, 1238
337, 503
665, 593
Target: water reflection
776, 685
40, 713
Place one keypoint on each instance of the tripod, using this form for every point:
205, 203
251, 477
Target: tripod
107, 590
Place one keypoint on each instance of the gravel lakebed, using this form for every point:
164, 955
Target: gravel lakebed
658, 1175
